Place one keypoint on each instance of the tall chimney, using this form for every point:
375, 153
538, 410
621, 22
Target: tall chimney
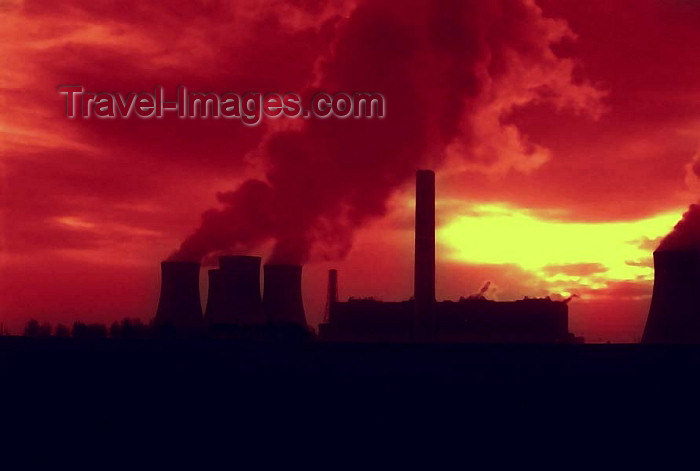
179, 306
424, 270
674, 313
282, 300
332, 295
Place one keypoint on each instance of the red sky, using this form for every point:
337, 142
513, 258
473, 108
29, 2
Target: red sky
563, 135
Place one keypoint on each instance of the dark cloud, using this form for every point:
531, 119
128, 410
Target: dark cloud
435, 64
630, 163
686, 233
575, 269
645, 262
620, 290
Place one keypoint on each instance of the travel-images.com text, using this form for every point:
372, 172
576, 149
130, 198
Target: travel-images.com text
249, 107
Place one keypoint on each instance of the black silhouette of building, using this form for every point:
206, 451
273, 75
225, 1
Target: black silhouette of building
234, 292
473, 319
282, 300
234, 299
179, 305
424, 261
538, 320
674, 313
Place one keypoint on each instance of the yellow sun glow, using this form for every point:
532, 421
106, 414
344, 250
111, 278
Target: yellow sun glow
499, 233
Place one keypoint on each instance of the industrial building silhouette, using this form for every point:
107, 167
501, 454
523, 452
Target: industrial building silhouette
179, 305
234, 300
234, 292
422, 318
674, 313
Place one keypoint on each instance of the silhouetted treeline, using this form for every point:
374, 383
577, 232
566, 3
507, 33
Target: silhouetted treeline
62, 331
34, 329
126, 328
132, 328
89, 331
129, 329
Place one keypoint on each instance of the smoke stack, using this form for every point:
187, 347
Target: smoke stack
674, 313
234, 291
179, 306
424, 269
332, 286
282, 300
332, 296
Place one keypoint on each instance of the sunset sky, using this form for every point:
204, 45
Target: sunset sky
563, 134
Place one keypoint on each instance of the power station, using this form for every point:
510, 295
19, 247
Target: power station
234, 300
423, 319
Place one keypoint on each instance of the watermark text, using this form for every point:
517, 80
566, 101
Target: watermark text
250, 108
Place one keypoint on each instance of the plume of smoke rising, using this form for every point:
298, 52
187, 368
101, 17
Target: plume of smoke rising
685, 234
482, 292
250, 206
434, 62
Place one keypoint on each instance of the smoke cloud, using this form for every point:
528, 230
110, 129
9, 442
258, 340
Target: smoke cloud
449, 71
685, 234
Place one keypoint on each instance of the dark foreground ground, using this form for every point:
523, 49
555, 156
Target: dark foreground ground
121, 396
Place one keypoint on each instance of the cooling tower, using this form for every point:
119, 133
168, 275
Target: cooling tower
234, 292
214, 296
282, 301
424, 269
674, 314
179, 306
